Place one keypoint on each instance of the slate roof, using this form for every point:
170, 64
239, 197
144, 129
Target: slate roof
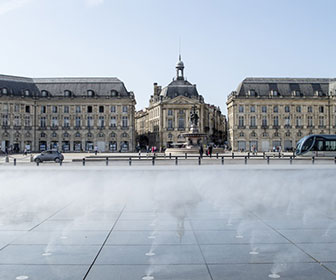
179, 87
284, 86
57, 86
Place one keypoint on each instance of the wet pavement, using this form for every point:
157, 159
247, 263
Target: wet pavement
168, 223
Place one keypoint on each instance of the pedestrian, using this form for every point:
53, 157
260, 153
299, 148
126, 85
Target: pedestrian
210, 150
201, 151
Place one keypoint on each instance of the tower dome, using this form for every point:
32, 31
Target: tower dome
179, 69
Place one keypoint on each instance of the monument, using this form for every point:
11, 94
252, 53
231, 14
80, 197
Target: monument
194, 138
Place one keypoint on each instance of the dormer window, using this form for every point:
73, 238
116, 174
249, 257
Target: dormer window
318, 93
67, 93
90, 93
26, 92
44, 93
274, 93
4, 91
252, 92
114, 93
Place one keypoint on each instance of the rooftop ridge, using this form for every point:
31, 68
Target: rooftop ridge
287, 80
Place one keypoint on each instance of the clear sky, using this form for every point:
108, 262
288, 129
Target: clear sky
138, 41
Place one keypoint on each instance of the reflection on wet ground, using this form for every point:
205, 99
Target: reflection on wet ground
169, 223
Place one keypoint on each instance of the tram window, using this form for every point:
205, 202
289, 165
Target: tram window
330, 145
319, 144
307, 144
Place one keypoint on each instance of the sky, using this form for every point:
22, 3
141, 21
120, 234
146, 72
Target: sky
222, 42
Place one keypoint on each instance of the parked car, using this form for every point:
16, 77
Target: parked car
49, 155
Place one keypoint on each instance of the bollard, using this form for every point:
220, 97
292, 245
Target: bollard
107, 161
313, 160
185, 156
61, 162
245, 159
7, 159
248, 155
232, 155
268, 159
279, 155
291, 160
153, 160
176, 160
222, 160
37, 163
335, 160
217, 155
31, 158
130, 161
264, 155
139, 155
15, 162
83, 161
199, 160
164, 155
169, 155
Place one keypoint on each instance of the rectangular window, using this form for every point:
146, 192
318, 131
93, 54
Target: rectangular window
66, 109
181, 123
27, 121
310, 109
5, 121
54, 109
27, 109
17, 121
276, 121
287, 109
264, 121
43, 122
16, 108
89, 109
101, 121
66, 122
241, 109
113, 121
310, 121
241, 121
287, 121
43, 109
330, 145
124, 121
170, 123
125, 109
275, 109
90, 120
78, 121
54, 121
298, 121
78, 109
298, 109
101, 109
264, 109
321, 109
170, 112
252, 109
113, 109
321, 121
253, 121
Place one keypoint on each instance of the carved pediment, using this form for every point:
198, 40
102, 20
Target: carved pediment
181, 100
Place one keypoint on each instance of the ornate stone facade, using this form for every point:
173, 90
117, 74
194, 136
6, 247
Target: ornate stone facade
69, 114
274, 113
163, 123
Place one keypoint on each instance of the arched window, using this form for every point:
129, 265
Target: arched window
44, 93
113, 135
4, 91
114, 93
77, 134
26, 92
90, 93
67, 93
124, 135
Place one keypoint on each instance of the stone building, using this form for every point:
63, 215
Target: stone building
268, 113
69, 114
163, 123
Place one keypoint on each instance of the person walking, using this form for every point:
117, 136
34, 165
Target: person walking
201, 151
